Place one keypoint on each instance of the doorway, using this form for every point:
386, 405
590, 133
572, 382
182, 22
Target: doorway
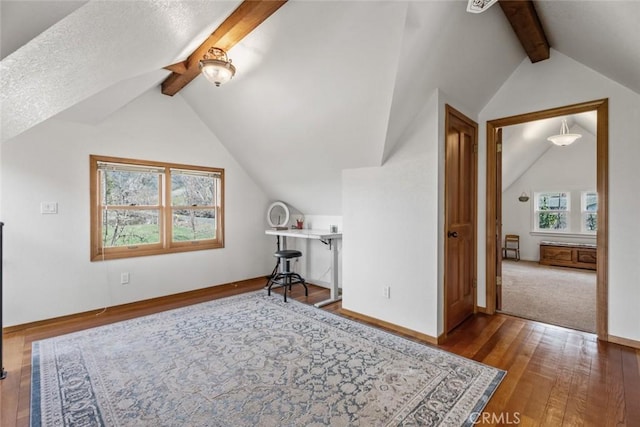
548, 195
494, 203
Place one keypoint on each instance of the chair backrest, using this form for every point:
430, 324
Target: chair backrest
511, 241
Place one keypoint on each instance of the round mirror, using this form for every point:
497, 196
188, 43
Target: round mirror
278, 214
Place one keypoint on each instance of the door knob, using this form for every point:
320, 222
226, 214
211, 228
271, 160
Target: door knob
452, 234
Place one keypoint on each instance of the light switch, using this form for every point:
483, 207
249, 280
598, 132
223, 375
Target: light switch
48, 207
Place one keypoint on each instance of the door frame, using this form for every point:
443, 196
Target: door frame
601, 107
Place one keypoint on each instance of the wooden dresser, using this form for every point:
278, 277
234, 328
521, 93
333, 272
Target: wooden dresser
576, 255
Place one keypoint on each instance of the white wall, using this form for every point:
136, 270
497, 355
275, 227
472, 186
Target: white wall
562, 81
391, 229
571, 168
47, 267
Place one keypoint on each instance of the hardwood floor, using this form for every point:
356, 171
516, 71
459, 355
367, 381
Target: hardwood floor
556, 376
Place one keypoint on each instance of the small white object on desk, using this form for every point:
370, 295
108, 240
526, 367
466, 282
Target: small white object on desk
322, 235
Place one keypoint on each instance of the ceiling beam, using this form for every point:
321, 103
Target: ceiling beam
241, 22
525, 22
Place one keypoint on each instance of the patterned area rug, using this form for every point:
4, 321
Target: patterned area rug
251, 360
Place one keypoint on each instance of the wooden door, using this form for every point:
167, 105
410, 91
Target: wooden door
460, 217
499, 219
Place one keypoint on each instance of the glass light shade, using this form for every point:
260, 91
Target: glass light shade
217, 71
564, 138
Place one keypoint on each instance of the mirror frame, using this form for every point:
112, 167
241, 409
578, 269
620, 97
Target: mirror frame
286, 212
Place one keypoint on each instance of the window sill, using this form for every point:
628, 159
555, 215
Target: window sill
563, 234
122, 252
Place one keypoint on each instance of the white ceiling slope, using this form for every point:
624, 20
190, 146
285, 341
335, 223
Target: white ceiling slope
603, 35
311, 97
23, 20
467, 56
94, 47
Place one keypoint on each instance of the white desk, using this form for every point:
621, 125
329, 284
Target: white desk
325, 237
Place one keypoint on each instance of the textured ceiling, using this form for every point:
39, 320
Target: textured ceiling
21, 21
321, 86
96, 46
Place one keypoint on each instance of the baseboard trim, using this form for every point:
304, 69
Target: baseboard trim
624, 341
481, 310
319, 283
166, 299
390, 326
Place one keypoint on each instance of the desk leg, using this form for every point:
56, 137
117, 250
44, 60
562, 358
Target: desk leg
335, 291
274, 272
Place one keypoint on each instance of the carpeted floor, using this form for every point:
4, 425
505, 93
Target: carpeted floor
251, 360
556, 295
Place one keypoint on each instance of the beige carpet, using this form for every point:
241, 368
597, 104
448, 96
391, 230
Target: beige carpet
556, 295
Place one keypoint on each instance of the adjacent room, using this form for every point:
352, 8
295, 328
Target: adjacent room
272, 212
549, 203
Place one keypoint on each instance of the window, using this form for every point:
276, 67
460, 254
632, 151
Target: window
147, 208
589, 211
552, 211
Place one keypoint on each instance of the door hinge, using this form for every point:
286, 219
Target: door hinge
499, 280
498, 148
475, 148
475, 283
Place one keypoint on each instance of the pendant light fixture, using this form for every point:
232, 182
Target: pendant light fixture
216, 66
564, 138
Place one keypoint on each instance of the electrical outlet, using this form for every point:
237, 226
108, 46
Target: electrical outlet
387, 291
48, 207
124, 278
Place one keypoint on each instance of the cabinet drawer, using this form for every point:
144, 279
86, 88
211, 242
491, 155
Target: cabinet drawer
588, 256
556, 254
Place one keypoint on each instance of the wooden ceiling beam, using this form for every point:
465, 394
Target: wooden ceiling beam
249, 15
525, 22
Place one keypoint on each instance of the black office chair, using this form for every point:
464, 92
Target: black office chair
285, 277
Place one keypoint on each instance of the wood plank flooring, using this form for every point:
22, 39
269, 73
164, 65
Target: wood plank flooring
556, 376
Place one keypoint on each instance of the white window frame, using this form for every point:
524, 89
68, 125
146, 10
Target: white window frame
536, 212
584, 212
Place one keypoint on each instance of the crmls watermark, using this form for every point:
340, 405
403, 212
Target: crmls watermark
505, 418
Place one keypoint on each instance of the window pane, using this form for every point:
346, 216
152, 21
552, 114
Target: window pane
590, 222
552, 221
194, 224
130, 227
590, 202
192, 190
552, 201
125, 188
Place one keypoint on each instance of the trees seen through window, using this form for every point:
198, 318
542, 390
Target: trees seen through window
147, 208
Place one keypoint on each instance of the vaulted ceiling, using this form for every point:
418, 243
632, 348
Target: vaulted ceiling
321, 86
524, 144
